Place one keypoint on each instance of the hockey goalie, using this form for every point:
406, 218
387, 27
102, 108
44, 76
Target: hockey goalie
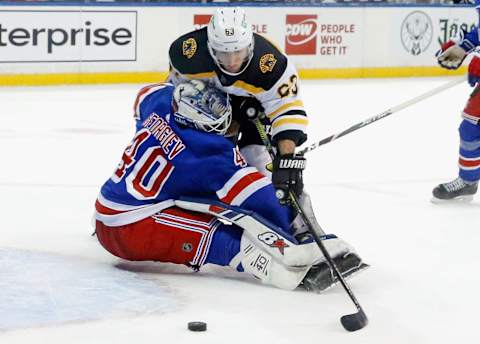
182, 193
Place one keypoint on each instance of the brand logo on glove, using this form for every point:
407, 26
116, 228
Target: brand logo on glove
273, 240
416, 32
289, 163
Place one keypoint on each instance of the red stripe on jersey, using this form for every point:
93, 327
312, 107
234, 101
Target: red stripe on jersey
239, 186
144, 90
105, 210
469, 163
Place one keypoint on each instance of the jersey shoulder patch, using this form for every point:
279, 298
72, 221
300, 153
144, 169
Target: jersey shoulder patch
267, 61
189, 53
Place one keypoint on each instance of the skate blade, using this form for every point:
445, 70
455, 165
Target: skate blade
458, 200
346, 276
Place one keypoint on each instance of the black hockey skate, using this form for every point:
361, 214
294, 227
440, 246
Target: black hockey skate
457, 189
321, 277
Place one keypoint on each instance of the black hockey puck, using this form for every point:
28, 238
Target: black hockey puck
197, 326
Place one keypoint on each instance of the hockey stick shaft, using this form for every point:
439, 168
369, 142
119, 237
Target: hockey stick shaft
384, 114
360, 320
351, 322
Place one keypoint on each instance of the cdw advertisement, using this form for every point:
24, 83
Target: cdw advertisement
334, 38
67, 36
309, 35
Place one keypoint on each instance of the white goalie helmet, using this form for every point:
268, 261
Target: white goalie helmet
202, 107
230, 40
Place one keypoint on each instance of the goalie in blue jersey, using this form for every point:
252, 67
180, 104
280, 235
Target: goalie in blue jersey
182, 193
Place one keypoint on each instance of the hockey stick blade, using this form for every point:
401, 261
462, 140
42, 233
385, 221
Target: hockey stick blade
354, 322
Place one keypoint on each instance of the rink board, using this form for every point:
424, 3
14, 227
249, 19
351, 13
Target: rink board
107, 44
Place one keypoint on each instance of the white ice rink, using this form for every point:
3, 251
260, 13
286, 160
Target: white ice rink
372, 188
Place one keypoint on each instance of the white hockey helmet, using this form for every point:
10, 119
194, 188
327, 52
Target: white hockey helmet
202, 107
230, 36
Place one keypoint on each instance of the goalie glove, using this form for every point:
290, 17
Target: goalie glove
453, 52
287, 175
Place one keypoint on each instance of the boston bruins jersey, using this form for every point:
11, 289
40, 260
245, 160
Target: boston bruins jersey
270, 77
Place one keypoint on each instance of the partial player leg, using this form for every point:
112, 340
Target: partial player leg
300, 229
465, 186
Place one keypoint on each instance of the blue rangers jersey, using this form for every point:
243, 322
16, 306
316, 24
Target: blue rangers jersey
166, 161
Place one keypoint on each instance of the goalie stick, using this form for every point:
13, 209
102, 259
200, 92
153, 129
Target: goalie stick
351, 322
384, 114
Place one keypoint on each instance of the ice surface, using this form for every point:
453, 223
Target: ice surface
44, 289
372, 188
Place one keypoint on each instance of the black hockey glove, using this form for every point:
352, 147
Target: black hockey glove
247, 108
287, 175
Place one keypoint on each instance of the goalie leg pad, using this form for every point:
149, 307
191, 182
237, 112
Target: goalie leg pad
270, 238
268, 270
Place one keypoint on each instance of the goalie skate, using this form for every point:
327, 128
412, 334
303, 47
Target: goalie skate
457, 189
321, 277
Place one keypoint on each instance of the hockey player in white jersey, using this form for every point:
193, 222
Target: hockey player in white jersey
183, 193
259, 77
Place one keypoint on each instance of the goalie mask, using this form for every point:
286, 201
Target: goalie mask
230, 40
201, 107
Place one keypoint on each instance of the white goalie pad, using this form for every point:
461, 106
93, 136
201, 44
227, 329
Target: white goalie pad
265, 253
269, 271
263, 235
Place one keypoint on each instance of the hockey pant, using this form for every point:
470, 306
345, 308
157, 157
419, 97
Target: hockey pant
172, 235
469, 159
